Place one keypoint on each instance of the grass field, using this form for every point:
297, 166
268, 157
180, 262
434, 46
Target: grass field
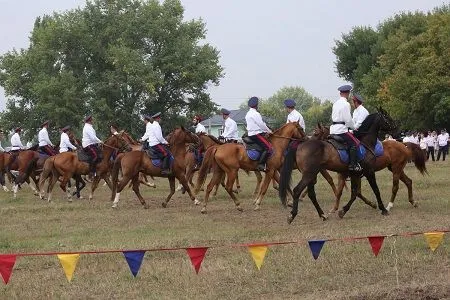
404, 269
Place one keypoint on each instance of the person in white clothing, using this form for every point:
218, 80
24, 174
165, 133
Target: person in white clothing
342, 122
45, 145
294, 115
443, 144
199, 128
65, 144
16, 146
359, 114
408, 138
1, 138
230, 129
430, 140
158, 143
256, 127
90, 143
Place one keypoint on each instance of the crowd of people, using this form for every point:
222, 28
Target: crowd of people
432, 144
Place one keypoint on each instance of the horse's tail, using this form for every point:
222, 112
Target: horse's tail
46, 171
208, 161
115, 175
286, 173
418, 157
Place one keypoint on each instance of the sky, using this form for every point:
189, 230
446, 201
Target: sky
264, 45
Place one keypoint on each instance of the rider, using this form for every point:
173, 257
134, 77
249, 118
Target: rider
359, 114
65, 145
16, 146
230, 130
342, 122
113, 129
255, 128
199, 129
90, 143
1, 137
294, 115
45, 145
158, 143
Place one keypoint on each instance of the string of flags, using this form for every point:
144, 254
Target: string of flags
196, 255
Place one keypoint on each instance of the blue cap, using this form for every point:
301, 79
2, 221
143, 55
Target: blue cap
64, 129
157, 115
225, 111
87, 119
253, 102
345, 88
358, 97
289, 103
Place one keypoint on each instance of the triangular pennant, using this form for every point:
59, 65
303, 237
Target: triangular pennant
197, 255
69, 263
316, 247
6, 266
376, 242
258, 253
434, 239
134, 260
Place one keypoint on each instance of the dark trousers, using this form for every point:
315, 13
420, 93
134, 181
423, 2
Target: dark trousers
261, 141
93, 152
47, 150
430, 150
162, 150
350, 140
442, 150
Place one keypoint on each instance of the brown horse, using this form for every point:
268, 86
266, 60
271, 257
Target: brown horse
67, 165
131, 163
227, 159
395, 157
314, 155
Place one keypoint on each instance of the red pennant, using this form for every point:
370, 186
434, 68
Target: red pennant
376, 242
6, 266
196, 255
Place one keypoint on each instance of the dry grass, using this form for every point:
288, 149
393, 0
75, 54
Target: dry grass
345, 270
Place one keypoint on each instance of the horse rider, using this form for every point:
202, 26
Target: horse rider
359, 114
1, 137
294, 115
153, 134
90, 143
113, 129
256, 127
230, 130
199, 129
45, 145
342, 122
16, 146
66, 145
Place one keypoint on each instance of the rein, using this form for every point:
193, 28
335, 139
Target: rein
285, 137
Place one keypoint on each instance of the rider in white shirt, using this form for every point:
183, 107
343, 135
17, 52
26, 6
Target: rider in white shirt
294, 115
230, 129
90, 143
157, 142
199, 128
65, 144
360, 113
45, 145
16, 146
1, 137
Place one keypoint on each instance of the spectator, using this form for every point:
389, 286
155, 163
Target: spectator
430, 140
442, 142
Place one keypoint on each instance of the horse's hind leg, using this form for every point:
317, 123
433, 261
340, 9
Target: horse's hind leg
238, 185
231, 177
172, 189
354, 192
312, 196
363, 198
215, 180
408, 182
306, 179
135, 182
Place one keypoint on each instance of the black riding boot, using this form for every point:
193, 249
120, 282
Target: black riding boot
166, 166
354, 165
262, 161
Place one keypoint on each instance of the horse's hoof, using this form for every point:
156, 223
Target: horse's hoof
257, 207
276, 188
196, 202
236, 191
203, 211
332, 211
289, 204
240, 209
69, 200
324, 217
164, 204
341, 214
146, 206
414, 204
114, 205
373, 205
385, 213
290, 219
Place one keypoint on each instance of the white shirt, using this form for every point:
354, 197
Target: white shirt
155, 135
295, 116
146, 135
200, 128
341, 113
65, 143
255, 123
442, 139
359, 115
423, 143
407, 139
230, 130
1, 148
43, 138
430, 140
89, 137
16, 143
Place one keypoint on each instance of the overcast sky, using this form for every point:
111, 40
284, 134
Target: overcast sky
264, 45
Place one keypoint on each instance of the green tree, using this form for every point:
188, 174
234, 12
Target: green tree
114, 59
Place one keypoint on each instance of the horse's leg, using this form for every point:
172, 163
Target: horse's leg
218, 174
373, 184
231, 177
35, 188
185, 185
307, 178
408, 182
339, 190
354, 192
265, 185
258, 185
312, 196
143, 179
364, 199
135, 182
238, 185
172, 190
120, 186
51, 184
221, 182
94, 186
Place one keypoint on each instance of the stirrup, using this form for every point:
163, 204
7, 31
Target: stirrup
355, 168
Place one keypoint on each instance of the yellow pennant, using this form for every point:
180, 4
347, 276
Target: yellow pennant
258, 253
434, 239
69, 263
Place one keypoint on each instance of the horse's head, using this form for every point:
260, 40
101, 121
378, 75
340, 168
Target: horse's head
320, 132
182, 136
386, 122
118, 141
128, 138
291, 130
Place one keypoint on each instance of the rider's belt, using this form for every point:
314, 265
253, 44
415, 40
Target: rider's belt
335, 123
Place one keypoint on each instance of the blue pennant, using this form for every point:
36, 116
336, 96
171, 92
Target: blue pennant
316, 247
134, 260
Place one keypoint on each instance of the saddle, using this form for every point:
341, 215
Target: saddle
337, 142
153, 154
250, 145
84, 156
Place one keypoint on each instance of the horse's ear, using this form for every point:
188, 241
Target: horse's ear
182, 128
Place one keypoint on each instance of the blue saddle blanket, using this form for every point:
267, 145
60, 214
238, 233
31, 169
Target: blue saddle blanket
157, 162
43, 154
379, 151
255, 154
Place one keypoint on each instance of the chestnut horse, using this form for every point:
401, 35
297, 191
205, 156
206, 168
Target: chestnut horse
131, 163
395, 157
67, 165
227, 159
314, 155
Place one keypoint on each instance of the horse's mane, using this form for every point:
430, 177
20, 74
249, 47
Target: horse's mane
216, 140
365, 126
34, 147
276, 130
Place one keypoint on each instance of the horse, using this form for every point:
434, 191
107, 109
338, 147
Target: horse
315, 155
395, 157
131, 163
227, 159
67, 165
